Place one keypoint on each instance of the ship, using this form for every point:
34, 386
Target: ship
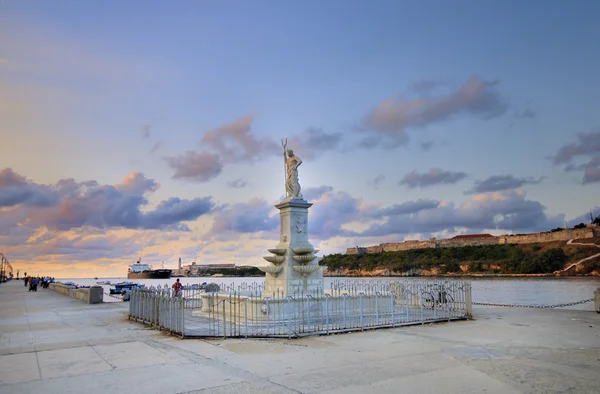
143, 271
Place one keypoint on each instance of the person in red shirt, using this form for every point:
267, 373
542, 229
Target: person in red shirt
177, 287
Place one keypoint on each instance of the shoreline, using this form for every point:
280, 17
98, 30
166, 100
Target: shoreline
465, 276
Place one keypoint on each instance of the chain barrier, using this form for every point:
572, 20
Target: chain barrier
536, 306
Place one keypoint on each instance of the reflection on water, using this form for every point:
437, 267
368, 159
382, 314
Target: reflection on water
524, 291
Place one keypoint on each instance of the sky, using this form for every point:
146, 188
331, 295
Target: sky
153, 129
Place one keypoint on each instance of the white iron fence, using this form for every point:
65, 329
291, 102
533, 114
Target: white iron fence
347, 306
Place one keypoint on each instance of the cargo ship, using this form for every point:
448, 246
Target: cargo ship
143, 271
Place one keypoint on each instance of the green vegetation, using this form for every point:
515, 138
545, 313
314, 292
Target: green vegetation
596, 220
580, 225
505, 259
238, 271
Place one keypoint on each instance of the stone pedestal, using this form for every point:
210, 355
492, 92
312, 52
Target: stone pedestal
294, 270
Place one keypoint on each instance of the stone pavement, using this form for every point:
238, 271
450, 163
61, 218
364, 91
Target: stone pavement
51, 343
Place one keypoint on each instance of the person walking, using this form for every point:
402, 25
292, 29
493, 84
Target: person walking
177, 287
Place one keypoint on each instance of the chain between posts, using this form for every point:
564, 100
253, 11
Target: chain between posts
536, 306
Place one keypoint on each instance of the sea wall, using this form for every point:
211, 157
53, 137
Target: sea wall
90, 295
565, 235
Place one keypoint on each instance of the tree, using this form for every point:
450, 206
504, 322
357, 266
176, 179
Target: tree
597, 220
580, 225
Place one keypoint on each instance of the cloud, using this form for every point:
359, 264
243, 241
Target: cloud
426, 145
506, 210
435, 176
375, 182
406, 208
236, 143
391, 118
237, 184
256, 215
146, 131
314, 141
197, 167
313, 193
16, 189
174, 211
501, 182
424, 86
588, 144
527, 113
69, 204
157, 145
591, 174
585, 217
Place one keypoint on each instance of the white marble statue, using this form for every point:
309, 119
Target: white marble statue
292, 162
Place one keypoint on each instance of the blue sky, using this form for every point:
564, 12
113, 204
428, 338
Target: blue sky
465, 116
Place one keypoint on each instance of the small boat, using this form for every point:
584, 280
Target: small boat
119, 287
106, 282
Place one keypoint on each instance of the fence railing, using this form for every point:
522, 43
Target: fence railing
159, 308
347, 306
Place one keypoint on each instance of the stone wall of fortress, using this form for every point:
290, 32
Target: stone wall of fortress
565, 235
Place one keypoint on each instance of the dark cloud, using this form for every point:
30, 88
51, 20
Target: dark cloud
426, 145
435, 176
314, 141
334, 209
157, 145
508, 210
314, 193
588, 144
391, 118
585, 217
146, 131
406, 208
502, 182
527, 113
375, 182
16, 189
238, 183
88, 204
591, 175
175, 210
256, 215
197, 167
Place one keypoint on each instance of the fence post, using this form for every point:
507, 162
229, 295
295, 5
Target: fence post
246, 316
182, 317
224, 322
468, 301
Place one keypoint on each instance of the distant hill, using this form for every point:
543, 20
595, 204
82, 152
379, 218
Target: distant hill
509, 259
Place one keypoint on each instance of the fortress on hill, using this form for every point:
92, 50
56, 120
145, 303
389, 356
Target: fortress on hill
479, 239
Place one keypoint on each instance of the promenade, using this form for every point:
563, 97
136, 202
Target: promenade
52, 343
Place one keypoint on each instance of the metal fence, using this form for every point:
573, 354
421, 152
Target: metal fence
347, 306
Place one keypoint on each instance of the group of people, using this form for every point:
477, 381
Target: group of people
34, 281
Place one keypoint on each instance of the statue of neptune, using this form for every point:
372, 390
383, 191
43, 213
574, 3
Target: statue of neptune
292, 162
